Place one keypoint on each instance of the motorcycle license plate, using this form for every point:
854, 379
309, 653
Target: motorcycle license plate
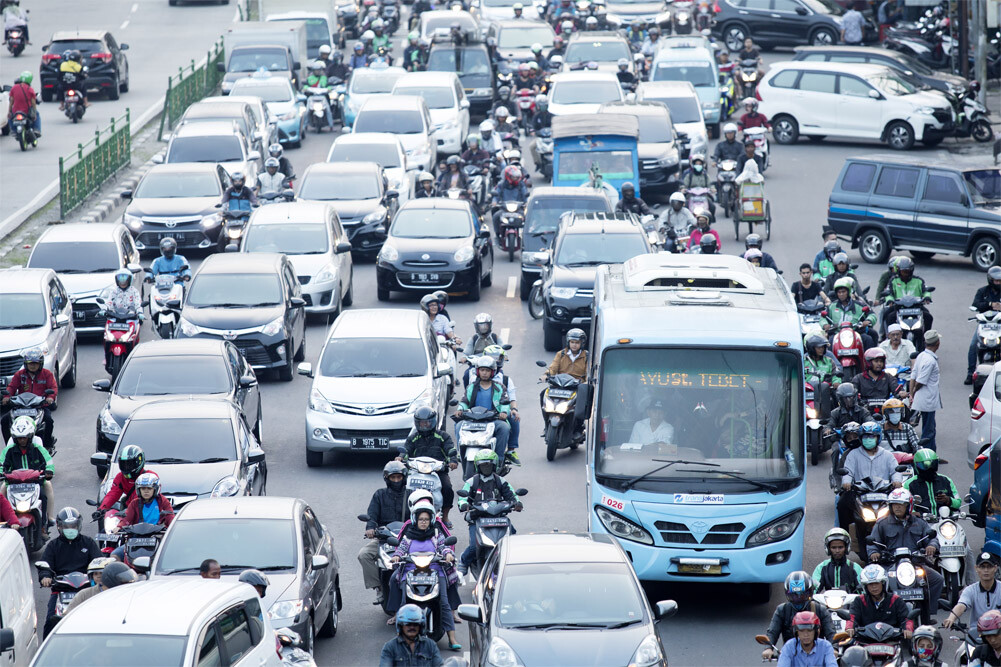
474, 426
952, 552
809, 395
421, 483
880, 649
117, 326
910, 312
874, 498
21, 488
493, 521
991, 326
106, 537
369, 443
422, 579
911, 594
560, 393
29, 412
66, 597
142, 542
852, 352
424, 277
699, 568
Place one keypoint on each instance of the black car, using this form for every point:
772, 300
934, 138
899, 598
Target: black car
435, 244
546, 205
474, 70
901, 62
781, 23
161, 369
254, 300
104, 58
583, 243
200, 448
179, 201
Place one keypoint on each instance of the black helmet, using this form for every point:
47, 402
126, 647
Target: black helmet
993, 273
814, 341
853, 429
131, 461
394, 468
425, 419
905, 264
629, 188
442, 297
75, 55
856, 656
708, 244
68, 517
846, 394
255, 578
452, 159
752, 241
577, 334
116, 574
336, 57
168, 247
831, 248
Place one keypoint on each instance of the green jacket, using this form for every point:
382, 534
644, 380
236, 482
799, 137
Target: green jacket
378, 41
314, 81
927, 490
838, 313
499, 394
824, 269
913, 287
824, 368
37, 454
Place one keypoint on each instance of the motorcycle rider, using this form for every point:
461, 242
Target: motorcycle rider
359, 58
891, 271
876, 604
412, 55
872, 461
385, 507
484, 485
543, 118
170, 262
475, 153
72, 75
491, 140
431, 441
284, 165
750, 155
572, 359
95, 572
131, 464
823, 263
807, 647
257, 579
697, 176
538, 57
702, 229
14, 18
980, 596
933, 488
875, 383
902, 529
806, 288
122, 297
22, 100
488, 393
626, 78
504, 125
453, 177
898, 435
708, 245
559, 49
676, 220
729, 148
7, 514
630, 203
497, 353
820, 363
652, 42
149, 505
798, 588
483, 335
410, 646
440, 324
25, 451
751, 117
754, 241
510, 188
318, 79
425, 186
69, 552
845, 308
271, 181
987, 298
380, 40
905, 283
842, 269
238, 196
34, 378
837, 571
989, 627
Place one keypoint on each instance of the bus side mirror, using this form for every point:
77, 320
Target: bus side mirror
584, 399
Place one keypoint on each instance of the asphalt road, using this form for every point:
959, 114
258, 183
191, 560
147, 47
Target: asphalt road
798, 184
160, 39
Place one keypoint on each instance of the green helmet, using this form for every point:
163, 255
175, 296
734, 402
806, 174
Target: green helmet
483, 457
835, 534
413, 36
845, 282
926, 459
25, 77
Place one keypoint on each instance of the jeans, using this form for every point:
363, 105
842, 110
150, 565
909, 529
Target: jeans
469, 554
502, 431
928, 429
512, 442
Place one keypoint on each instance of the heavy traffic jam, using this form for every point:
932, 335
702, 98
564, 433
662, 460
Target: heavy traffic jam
385, 218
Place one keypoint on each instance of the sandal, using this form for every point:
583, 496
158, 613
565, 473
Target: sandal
455, 647
448, 524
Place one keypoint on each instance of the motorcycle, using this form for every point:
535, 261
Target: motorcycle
811, 316
835, 599
558, 406
953, 550
543, 152
681, 21
526, 105
968, 639
234, 222
906, 577
390, 17
536, 302
476, 432
422, 473
289, 649
24, 492
73, 106
121, 335
384, 534
108, 536
65, 587
750, 76
909, 311
422, 586
881, 642
972, 118
512, 220
697, 201
757, 134
15, 41
165, 306
726, 186
24, 130
988, 335
479, 183
490, 517
870, 506
818, 409
847, 347
704, 17
141, 541
319, 107
31, 405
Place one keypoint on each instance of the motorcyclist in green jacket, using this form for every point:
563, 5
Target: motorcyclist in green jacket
934, 489
818, 363
317, 80
845, 308
905, 283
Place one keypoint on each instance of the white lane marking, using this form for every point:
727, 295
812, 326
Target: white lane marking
505, 334
512, 285
125, 24
135, 7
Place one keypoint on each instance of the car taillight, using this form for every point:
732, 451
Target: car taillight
103, 57
51, 57
977, 411
979, 461
757, 93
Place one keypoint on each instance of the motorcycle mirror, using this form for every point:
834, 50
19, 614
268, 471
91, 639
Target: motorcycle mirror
144, 303
763, 640
218, 205
42, 565
91, 502
462, 493
521, 492
930, 289
842, 471
904, 469
454, 402
507, 346
363, 517
452, 539
50, 392
915, 613
148, 279
973, 309
393, 542
944, 605
541, 364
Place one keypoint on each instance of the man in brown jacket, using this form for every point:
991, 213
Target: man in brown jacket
572, 359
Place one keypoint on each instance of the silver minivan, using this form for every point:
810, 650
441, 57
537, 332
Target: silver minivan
36, 312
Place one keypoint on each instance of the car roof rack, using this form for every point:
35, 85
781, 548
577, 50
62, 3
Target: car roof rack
444, 36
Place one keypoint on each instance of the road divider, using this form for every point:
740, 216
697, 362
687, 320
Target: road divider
84, 171
189, 85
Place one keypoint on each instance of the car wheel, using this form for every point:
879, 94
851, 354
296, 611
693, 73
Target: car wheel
300, 354
900, 136
986, 253
113, 92
381, 293
734, 36
314, 459
873, 246
349, 296
329, 627
552, 338
785, 129
124, 86
258, 430
823, 37
68, 381
308, 636
488, 280
285, 372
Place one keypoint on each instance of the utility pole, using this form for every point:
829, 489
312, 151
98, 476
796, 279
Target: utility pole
980, 46
963, 52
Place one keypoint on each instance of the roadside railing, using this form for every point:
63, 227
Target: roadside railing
189, 85
85, 170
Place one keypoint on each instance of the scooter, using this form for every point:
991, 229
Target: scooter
697, 201
558, 406
512, 220
881, 641
24, 492
726, 186
422, 587
121, 335
953, 550
811, 316
476, 432
234, 222
319, 107
165, 306
749, 75
905, 571
681, 21
969, 641
543, 152
973, 118
847, 347
384, 534
757, 134
24, 130
422, 473
988, 335
704, 17
31, 405
835, 599
15, 41
65, 587
478, 183
290, 652
870, 505
818, 409
108, 536
910, 316
141, 542
526, 105
73, 105
492, 524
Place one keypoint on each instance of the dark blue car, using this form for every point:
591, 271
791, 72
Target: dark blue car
985, 497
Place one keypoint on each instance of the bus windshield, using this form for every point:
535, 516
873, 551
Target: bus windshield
714, 417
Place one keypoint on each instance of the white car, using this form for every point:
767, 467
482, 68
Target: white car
686, 111
583, 92
985, 415
857, 101
381, 147
217, 141
36, 312
286, 107
446, 100
407, 117
311, 236
376, 79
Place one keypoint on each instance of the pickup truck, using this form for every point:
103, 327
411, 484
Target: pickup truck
884, 203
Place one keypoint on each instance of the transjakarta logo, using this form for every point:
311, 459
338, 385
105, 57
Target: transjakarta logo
699, 498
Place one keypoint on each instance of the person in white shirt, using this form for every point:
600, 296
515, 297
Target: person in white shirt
924, 387
653, 430
898, 350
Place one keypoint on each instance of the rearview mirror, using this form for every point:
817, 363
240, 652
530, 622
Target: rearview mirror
305, 368
61, 321
42, 565
874, 94
392, 194
342, 248
521, 492
127, 194
363, 517
666, 609
484, 232
320, 561
141, 564
100, 459
442, 370
134, 268
247, 381
507, 346
297, 302
103, 384
221, 67
842, 471
462, 493
541, 364
763, 640
470, 612
158, 158
256, 456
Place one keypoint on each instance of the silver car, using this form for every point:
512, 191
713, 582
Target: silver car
36, 312
376, 368
985, 414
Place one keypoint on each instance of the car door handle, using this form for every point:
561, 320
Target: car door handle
741, 11
776, 16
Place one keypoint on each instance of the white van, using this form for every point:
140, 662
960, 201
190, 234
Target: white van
17, 602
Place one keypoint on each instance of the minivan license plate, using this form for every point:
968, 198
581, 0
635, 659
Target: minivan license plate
369, 443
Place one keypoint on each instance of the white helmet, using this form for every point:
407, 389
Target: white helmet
487, 126
677, 196
730, 127
422, 506
23, 427
325, 49
502, 112
873, 574
424, 176
418, 496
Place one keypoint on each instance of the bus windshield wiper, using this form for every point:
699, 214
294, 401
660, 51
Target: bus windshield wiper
736, 475
667, 464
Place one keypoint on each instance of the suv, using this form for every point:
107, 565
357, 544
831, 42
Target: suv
221, 142
890, 202
475, 70
682, 101
900, 62
583, 243
377, 367
603, 47
514, 39
36, 312
107, 66
697, 66
781, 23
659, 155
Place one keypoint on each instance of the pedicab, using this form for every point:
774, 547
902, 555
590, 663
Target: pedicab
752, 206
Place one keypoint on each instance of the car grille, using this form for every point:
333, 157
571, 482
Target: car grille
86, 315
425, 265
392, 434
152, 239
253, 351
943, 115
304, 280
10, 365
649, 165
164, 222
679, 533
370, 410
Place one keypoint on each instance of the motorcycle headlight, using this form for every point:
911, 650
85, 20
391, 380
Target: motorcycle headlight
134, 222
834, 601
326, 274
187, 328
511, 206
424, 467
234, 232
868, 515
273, 327
622, 527
500, 654
319, 403
464, 254
906, 574
563, 292
846, 338
389, 254
289, 115
225, 487
883, 511
285, 609
647, 653
210, 221
377, 215
777, 530
108, 424
811, 413
948, 529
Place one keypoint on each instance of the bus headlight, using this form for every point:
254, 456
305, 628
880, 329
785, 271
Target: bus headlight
622, 527
777, 530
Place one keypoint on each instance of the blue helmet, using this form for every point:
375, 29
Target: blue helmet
871, 428
410, 613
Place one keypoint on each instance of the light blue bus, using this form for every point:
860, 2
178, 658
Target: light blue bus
718, 492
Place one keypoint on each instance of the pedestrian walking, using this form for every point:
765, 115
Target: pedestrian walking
924, 386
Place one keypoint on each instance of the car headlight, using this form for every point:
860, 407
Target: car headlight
668, 161
948, 529
389, 254
285, 609
326, 274
377, 215
210, 221
289, 115
227, 86
622, 527
108, 424
777, 530
563, 292
500, 654
451, 124
906, 574
319, 403
423, 399
647, 653
464, 254
482, 92
273, 327
925, 110
187, 328
134, 222
708, 106
225, 487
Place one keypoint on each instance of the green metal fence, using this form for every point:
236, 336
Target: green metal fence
82, 172
189, 85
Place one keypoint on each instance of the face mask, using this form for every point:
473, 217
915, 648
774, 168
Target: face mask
869, 443
71, 533
396, 486
924, 653
697, 168
894, 417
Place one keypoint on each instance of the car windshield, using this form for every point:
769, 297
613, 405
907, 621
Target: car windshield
386, 155
237, 543
75, 257
374, 357
683, 109
431, 223
437, 97
913, 64
600, 52
725, 411
654, 129
523, 37
373, 82
576, 167
388, 120
273, 60
21, 311
586, 92
537, 595
225, 148
594, 249
291, 238
824, 7
159, 185
891, 84
110, 650
174, 374
499, 3
544, 213
985, 185
471, 61
182, 440
698, 74
234, 290
275, 91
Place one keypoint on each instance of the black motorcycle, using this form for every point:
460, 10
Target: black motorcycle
871, 495
65, 586
31, 405
141, 542
905, 571
384, 534
24, 130
492, 524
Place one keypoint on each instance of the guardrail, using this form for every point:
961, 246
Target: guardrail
83, 172
190, 84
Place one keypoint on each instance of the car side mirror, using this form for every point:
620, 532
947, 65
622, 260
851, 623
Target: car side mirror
127, 194
104, 384
343, 247
247, 381
158, 158
305, 368
61, 321
464, 104
141, 564
231, 247
392, 194
470, 612
134, 268
964, 200
666, 609
297, 302
100, 459
221, 67
874, 94
253, 156
256, 456
300, 97
6, 639
801, 11
320, 561
123, 47
443, 370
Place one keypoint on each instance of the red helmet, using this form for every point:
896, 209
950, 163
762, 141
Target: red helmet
805, 619
989, 623
875, 353
512, 175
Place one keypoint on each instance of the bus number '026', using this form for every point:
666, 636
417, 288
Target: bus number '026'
613, 503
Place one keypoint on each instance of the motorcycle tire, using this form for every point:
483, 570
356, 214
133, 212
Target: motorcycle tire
953, 587
21, 141
115, 367
736, 228
536, 306
552, 441
815, 452
318, 124
982, 130
510, 254
165, 330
